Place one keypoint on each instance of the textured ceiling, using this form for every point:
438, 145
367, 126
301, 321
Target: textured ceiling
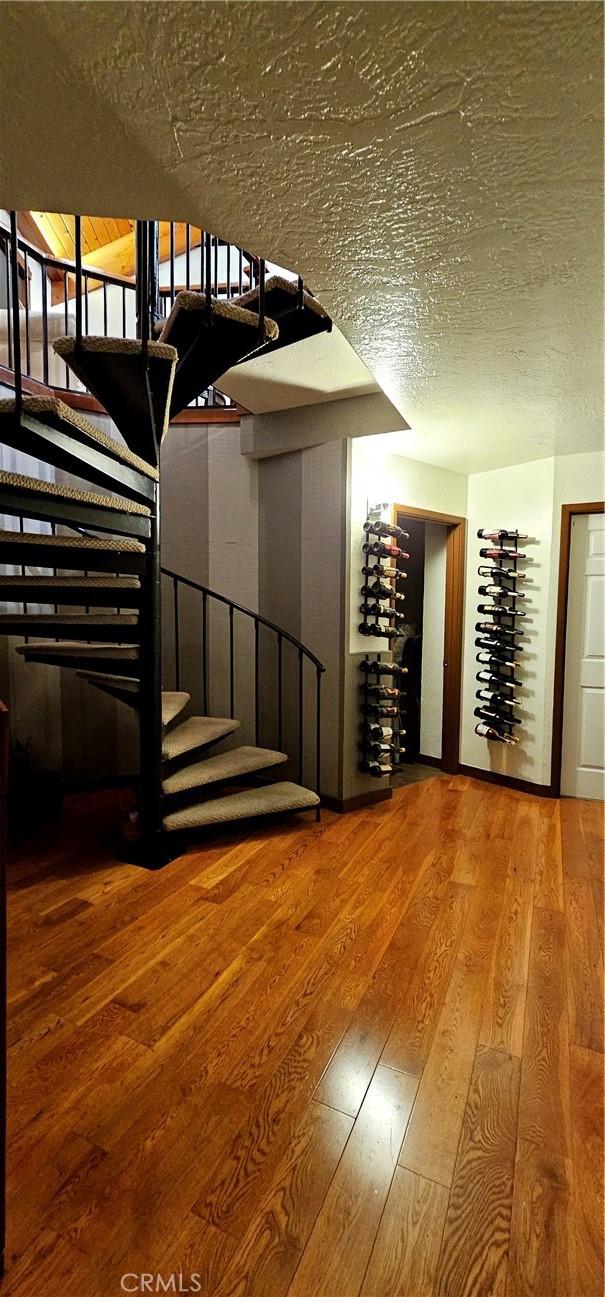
433, 170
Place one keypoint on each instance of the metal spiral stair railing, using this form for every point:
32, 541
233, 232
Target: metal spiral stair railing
102, 551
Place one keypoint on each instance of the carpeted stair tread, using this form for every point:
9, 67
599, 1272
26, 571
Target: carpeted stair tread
196, 733
59, 583
267, 800
119, 372
173, 702
209, 342
71, 619
61, 417
35, 486
225, 765
102, 652
113, 544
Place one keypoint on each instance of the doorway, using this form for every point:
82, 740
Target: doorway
431, 643
579, 697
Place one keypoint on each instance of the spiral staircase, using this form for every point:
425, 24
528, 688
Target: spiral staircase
99, 566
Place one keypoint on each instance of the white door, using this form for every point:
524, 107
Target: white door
583, 764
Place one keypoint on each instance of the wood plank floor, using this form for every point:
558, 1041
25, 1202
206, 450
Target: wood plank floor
356, 1059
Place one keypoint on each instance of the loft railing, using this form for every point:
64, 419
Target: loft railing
189, 259
240, 664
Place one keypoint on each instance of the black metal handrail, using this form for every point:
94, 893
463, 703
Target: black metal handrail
302, 654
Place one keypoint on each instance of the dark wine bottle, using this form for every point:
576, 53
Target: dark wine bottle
495, 699
377, 632
491, 659
501, 534
377, 610
385, 529
488, 678
501, 552
498, 631
384, 551
381, 750
377, 770
382, 569
378, 731
380, 591
381, 709
498, 610
383, 668
374, 692
489, 714
500, 592
490, 732
495, 571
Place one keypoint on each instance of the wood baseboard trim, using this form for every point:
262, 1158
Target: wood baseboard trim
507, 781
343, 806
429, 761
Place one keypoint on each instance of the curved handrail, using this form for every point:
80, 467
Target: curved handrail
204, 589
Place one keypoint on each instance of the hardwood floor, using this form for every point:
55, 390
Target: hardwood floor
356, 1059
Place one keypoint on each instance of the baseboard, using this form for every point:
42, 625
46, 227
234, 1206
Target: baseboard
429, 761
343, 806
507, 781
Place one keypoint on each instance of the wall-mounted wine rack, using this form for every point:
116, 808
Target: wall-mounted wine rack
382, 698
498, 633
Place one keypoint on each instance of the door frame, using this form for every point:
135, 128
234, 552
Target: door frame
455, 555
567, 512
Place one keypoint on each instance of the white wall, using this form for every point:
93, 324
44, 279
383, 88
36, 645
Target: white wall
521, 497
529, 497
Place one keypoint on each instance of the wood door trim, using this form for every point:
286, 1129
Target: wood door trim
454, 628
567, 512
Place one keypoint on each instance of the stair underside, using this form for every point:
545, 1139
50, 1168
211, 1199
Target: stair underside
209, 342
127, 688
195, 733
117, 371
267, 800
296, 322
225, 765
62, 418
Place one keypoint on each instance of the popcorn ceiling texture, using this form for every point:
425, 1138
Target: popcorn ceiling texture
433, 170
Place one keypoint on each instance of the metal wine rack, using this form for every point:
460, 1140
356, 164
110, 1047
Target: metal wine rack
498, 632
381, 695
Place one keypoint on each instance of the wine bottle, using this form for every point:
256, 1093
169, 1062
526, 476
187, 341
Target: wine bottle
383, 668
495, 699
377, 610
489, 659
498, 631
378, 771
381, 709
488, 714
384, 551
382, 569
500, 592
374, 692
378, 731
496, 609
488, 732
381, 750
377, 632
385, 529
488, 678
380, 591
496, 571
502, 552
501, 534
